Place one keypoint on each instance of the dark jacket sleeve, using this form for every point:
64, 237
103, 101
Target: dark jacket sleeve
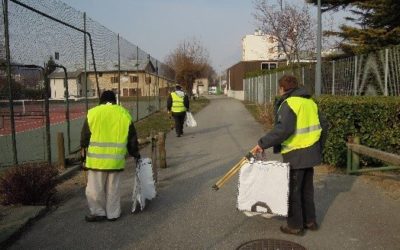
133, 145
186, 102
169, 102
325, 126
283, 129
85, 134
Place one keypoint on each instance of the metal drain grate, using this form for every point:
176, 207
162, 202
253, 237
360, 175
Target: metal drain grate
270, 244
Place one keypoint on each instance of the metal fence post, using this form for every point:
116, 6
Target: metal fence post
9, 80
119, 72
270, 87
355, 75
333, 77
85, 61
386, 71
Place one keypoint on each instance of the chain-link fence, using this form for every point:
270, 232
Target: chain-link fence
376, 73
54, 63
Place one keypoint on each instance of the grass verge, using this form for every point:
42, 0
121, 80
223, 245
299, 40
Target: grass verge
262, 113
161, 121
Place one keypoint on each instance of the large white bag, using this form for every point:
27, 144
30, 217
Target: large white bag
190, 121
144, 188
264, 188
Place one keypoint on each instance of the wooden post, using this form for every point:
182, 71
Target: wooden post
61, 150
161, 150
154, 156
355, 157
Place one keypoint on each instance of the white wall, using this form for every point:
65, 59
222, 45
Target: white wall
57, 88
238, 94
259, 47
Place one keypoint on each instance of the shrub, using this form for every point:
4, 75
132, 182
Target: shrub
376, 120
29, 184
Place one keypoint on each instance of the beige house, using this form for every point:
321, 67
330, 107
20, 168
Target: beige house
133, 79
200, 86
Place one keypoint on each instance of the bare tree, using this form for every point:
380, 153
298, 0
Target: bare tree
291, 26
190, 60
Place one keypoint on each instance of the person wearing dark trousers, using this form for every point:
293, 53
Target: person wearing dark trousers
177, 105
299, 134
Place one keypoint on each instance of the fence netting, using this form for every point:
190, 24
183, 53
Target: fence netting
376, 73
85, 59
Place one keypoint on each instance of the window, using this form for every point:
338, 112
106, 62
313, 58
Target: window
114, 79
124, 92
100, 74
133, 79
272, 66
132, 92
267, 65
148, 80
271, 39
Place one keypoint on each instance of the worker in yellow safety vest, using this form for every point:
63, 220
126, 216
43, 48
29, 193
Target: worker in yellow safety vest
177, 105
108, 134
299, 135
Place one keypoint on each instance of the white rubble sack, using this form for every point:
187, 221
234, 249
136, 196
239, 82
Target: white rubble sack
264, 188
190, 121
144, 187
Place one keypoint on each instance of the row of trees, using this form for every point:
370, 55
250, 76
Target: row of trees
372, 25
190, 60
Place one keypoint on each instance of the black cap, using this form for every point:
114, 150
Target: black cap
108, 96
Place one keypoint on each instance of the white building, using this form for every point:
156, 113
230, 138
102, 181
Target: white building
260, 47
200, 86
75, 80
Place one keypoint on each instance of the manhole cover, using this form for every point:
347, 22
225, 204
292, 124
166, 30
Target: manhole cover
270, 244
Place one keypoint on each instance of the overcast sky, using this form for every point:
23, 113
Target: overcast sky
158, 26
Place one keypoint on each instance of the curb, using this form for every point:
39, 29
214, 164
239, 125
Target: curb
17, 218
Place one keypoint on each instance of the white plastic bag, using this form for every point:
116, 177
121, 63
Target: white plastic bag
144, 188
190, 121
264, 188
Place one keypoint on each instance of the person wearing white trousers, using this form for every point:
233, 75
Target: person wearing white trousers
103, 194
107, 135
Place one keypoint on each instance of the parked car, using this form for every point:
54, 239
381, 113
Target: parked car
212, 90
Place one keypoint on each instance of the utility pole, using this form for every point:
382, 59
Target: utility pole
319, 45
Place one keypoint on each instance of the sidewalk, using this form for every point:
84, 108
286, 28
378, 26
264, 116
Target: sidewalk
188, 214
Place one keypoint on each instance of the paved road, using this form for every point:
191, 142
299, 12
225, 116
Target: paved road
187, 214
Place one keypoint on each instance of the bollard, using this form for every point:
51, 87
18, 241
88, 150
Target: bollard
61, 150
154, 156
161, 150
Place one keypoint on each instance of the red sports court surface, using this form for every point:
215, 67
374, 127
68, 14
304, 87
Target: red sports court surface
30, 117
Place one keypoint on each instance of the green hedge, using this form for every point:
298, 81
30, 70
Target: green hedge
376, 120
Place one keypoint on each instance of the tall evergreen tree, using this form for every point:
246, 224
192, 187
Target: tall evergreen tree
377, 24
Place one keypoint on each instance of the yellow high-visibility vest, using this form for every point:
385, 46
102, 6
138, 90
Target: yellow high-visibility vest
177, 103
308, 128
109, 127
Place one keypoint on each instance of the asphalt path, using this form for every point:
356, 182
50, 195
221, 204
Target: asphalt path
188, 214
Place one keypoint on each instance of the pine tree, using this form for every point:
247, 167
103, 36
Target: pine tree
377, 24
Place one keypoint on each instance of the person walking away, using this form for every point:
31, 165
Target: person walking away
177, 105
299, 135
108, 134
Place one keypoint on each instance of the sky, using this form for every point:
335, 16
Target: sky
158, 26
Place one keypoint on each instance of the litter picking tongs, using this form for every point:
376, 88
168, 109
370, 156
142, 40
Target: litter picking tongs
234, 170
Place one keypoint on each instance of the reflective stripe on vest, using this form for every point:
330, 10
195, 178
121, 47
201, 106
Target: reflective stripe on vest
177, 103
109, 127
308, 128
